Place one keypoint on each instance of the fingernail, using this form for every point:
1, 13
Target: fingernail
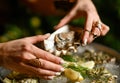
85, 42
58, 73
62, 62
62, 69
51, 77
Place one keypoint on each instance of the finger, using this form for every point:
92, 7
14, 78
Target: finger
39, 53
105, 29
95, 31
88, 27
46, 77
44, 64
94, 34
35, 71
22, 67
91, 38
50, 66
48, 56
37, 38
66, 19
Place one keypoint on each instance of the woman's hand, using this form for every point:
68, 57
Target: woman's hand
18, 54
93, 25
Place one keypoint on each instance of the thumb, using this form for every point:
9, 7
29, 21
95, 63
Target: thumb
65, 20
37, 38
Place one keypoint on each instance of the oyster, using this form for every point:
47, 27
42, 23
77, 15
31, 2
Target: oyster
63, 41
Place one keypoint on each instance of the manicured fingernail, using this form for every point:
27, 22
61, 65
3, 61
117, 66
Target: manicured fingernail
62, 69
51, 77
62, 62
58, 73
85, 42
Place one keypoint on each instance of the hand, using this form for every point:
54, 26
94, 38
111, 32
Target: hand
85, 8
16, 55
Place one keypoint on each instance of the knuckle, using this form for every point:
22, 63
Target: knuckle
25, 47
38, 71
23, 56
45, 55
43, 64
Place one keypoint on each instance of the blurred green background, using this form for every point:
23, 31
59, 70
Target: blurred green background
18, 22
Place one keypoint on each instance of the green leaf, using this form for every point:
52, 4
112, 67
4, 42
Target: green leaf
80, 69
69, 58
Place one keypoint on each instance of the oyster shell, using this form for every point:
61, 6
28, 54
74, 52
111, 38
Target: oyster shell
63, 41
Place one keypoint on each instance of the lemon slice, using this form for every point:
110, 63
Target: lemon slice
73, 75
89, 64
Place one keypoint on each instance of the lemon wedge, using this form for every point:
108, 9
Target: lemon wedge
89, 64
73, 75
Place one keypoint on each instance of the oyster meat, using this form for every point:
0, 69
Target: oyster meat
63, 41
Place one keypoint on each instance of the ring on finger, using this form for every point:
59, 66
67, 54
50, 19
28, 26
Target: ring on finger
87, 30
99, 25
35, 62
94, 35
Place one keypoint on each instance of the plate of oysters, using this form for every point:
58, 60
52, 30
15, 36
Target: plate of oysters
93, 63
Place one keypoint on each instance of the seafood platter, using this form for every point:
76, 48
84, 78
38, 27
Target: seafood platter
93, 63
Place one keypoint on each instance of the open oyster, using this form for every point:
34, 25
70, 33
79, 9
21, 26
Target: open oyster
64, 40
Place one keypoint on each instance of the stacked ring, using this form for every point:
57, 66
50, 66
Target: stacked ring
34, 62
94, 35
98, 25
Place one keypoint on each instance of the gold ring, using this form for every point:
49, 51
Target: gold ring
35, 62
98, 25
87, 30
